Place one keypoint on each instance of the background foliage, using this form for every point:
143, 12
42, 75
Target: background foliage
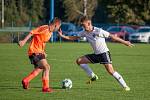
102, 11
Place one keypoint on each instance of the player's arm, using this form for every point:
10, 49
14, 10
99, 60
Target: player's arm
22, 42
32, 32
67, 37
115, 38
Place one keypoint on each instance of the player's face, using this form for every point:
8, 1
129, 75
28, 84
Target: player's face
87, 25
57, 27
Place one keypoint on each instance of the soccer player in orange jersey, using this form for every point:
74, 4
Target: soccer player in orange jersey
37, 55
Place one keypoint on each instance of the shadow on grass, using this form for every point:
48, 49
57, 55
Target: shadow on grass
9, 87
52, 87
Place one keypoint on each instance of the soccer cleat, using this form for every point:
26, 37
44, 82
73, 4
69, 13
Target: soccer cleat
127, 88
92, 79
49, 90
25, 84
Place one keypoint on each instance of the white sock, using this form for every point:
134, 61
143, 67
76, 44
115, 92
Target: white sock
87, 69
119, 78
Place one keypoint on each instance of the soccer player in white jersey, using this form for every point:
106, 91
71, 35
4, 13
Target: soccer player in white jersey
96, 37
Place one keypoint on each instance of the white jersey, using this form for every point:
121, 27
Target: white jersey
97, 39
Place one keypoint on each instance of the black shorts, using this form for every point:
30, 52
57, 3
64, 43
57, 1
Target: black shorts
104, 58
35, 58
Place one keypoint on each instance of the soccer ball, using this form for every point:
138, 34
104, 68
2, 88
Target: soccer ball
66, 84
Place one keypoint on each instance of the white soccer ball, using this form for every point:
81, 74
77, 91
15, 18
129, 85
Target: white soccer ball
66, 84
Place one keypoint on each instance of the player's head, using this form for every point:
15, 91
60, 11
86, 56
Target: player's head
86, 23
56, 23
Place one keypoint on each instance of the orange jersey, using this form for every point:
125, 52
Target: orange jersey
40, 36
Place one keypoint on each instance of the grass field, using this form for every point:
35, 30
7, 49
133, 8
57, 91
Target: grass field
132, 63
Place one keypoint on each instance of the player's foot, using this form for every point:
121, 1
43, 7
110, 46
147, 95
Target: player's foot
127, 88
49, 90
25, 84
92, 79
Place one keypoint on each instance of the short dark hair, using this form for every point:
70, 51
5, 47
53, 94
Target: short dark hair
56, 20
84, 18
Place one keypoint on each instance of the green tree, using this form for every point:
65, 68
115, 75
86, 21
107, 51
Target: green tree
131, 11
75, 8
11, 13
110, 11
23, 11
35, 10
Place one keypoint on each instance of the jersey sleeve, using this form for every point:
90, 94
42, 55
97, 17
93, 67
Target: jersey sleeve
34, 31
104, 33
38, 30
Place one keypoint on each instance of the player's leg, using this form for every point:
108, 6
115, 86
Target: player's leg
116, 75
27, 79
33, 74
83, 63
45, 75
35, 60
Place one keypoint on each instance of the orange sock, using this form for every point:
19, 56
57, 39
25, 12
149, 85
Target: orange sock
45, 83
32, 75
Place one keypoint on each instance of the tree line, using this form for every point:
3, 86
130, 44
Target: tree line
21, 12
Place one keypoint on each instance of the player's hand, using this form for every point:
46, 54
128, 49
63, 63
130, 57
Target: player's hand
129, 44
60, 32
21, 43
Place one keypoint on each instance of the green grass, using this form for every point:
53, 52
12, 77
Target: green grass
132, 63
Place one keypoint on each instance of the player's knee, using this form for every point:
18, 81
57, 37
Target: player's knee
78, 61
47, 67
